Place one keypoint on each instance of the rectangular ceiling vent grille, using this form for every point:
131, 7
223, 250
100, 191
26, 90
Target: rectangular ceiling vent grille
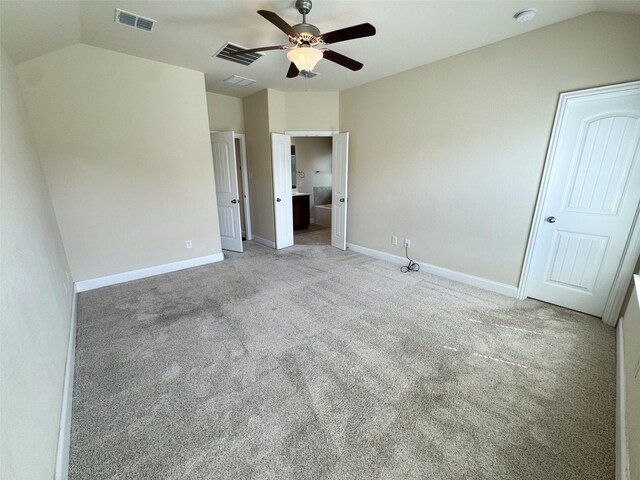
240, 81
244, 59
135, 21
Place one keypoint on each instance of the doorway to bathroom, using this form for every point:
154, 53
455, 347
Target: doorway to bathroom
310, 188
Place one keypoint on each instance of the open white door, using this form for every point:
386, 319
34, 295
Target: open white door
283, 208
224, 168
590, 199
340, 166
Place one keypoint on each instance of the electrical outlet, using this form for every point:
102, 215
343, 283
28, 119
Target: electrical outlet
394, 240
407, 243
189, 244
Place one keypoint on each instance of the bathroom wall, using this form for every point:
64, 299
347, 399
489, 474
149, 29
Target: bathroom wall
313, 154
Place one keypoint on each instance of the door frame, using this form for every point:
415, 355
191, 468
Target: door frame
245, 182
233, 243
245, 178
632, 249
318, 133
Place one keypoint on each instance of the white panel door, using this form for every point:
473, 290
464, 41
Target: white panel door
591, 200
227, 195
283, 207
339, 169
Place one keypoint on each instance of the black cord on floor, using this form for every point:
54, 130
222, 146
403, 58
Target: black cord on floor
413, 266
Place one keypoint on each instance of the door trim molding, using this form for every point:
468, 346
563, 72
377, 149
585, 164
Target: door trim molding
632, 250
245, 182
311, 133
622, 449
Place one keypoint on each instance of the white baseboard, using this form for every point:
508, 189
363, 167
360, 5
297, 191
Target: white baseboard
64, 434
264, 241
622, 454
485, 284
93, 283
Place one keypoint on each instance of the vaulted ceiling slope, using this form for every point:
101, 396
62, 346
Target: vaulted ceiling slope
188, 33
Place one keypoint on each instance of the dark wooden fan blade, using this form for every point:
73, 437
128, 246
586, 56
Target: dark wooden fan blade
349, 33
293, 71
278, 22
340, 59
260, 49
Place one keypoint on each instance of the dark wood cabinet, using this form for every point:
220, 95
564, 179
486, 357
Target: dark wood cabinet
300, 211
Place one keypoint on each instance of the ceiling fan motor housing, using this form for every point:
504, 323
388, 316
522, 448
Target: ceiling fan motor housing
308, 34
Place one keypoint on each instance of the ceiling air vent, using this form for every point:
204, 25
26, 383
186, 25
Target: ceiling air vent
240, 81
244, 59
132, 20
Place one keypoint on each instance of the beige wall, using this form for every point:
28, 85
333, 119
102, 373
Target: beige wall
450, 155
225, 113
277, 111
632, 383
36, 296
125, 148
256, 115
274, 111
312, 111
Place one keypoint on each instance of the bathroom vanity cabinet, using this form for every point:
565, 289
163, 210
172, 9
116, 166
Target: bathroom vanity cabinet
300, 210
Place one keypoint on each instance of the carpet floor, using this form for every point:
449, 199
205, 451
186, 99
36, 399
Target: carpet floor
314, 235
312, 363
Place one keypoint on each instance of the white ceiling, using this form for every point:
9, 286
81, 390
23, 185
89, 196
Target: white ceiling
188, 33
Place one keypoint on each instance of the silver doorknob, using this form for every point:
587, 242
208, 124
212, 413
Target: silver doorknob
278, 200
234, 201
342, 200
551, 219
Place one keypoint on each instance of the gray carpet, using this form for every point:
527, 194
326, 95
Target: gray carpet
312, 363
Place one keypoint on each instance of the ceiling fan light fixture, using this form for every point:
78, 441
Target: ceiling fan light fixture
305, 58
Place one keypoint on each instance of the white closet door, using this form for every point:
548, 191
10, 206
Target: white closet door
340, 168
591, 200
227, 195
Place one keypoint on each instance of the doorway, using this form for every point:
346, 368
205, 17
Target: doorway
585, 236
232, 188
242, 174
312, 181
285, 194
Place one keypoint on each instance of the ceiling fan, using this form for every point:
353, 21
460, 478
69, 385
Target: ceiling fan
306, 42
